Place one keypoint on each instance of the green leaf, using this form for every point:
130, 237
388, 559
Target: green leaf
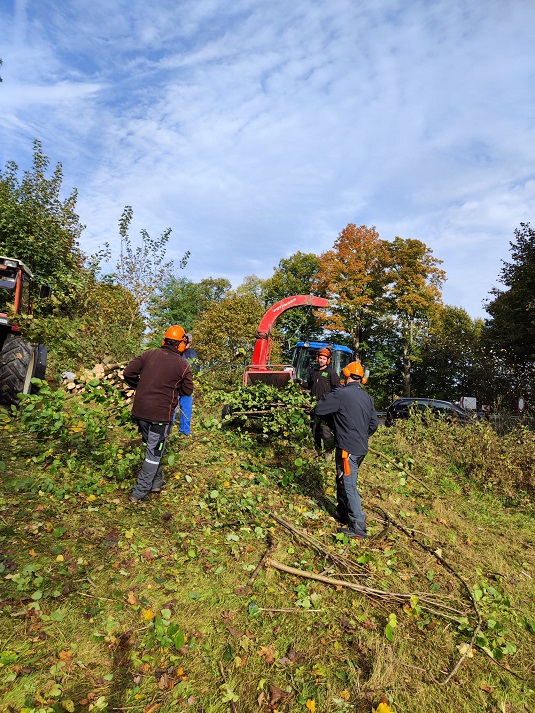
59, 531
178, 640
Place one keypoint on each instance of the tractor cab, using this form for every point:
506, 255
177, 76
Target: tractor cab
15, 281
305, 354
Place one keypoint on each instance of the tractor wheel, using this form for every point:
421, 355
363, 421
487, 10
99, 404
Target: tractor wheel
17, 363
39, 370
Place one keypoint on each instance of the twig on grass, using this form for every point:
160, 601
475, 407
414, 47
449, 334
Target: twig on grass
295, 609
400, 467
269, 550
232, 704
480, 648
380, 594
445, 564
92, 596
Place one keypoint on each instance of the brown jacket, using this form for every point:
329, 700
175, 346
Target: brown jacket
160, 377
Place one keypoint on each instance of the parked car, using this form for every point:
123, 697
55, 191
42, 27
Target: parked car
401, 408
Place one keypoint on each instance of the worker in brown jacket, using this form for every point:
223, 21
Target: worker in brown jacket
160, 377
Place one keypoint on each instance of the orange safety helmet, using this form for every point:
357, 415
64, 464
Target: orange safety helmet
325, 351
355, 368
177, 334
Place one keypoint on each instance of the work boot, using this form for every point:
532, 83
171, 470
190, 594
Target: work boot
349, 532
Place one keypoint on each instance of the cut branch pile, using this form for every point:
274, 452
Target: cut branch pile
113, 373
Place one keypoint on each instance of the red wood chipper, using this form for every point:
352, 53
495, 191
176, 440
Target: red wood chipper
260, 368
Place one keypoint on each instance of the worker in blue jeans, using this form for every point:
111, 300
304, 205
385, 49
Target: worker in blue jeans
186, 402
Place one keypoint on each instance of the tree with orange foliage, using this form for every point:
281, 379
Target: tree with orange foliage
353, 275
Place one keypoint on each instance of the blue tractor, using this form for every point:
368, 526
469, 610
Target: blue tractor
305, 353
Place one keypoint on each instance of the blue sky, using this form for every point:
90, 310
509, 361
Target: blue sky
258, 128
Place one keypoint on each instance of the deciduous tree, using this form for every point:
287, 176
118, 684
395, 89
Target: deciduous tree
353, 277
414, 282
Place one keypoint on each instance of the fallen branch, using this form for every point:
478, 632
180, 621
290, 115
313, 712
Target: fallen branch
269, 550
400, 467
380, 594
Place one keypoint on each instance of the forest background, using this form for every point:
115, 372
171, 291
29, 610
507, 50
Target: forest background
384, 297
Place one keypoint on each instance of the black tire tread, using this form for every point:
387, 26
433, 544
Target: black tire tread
15, 359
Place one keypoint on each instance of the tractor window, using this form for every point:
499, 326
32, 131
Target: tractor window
25, 295
8, 280
341, 359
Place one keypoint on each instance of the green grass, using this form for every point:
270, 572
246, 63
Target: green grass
111, 606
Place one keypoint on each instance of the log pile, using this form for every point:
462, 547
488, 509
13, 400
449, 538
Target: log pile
111, 372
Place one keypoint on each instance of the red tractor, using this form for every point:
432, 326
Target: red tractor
19, 360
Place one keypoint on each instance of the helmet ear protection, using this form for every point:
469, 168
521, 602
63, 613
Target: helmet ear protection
324, 351
355, 369
177, 334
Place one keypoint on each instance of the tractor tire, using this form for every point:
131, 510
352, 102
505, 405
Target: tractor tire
17, 364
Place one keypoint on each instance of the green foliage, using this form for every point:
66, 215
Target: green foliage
181, 301
511, 329
142, 269
79, 437
40, 228
269, 411
294, 276
226, 329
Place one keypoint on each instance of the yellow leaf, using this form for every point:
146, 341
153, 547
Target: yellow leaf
345, 695
60, 558
383, 707
33, 553
147, 615
91, 497
129, 534
311, 705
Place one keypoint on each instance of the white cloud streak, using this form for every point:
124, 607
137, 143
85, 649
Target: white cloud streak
257, 129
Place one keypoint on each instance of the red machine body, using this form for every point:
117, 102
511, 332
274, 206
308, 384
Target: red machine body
260, 368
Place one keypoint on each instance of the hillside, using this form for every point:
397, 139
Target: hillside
183, 603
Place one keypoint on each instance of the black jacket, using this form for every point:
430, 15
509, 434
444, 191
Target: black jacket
322, 381
355, 418
160, 377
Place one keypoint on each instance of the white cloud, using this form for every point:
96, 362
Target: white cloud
258, 129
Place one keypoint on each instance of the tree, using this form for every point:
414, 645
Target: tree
294, 275
225, 329
414, 282
181, 301
40, 228
353, 277
142, 269
450, 364
251, 285
512, 311
510, 334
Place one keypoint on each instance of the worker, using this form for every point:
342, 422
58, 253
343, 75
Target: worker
355, 420
186, 401
160, 376
322, 379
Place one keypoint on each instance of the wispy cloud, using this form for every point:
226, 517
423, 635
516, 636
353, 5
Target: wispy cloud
258, 129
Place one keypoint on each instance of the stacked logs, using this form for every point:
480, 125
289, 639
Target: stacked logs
111, 372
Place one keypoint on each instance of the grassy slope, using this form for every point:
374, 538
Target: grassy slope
281, 642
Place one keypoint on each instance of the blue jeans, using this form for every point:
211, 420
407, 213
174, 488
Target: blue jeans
185, 407
349, 504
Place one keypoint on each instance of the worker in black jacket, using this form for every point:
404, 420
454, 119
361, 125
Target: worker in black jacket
322, 379
355, 420
160, 376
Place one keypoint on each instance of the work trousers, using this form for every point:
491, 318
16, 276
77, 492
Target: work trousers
349, 503
322, 430
150, 476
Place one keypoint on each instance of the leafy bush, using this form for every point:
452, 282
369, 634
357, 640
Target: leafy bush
82, 436
267, 410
